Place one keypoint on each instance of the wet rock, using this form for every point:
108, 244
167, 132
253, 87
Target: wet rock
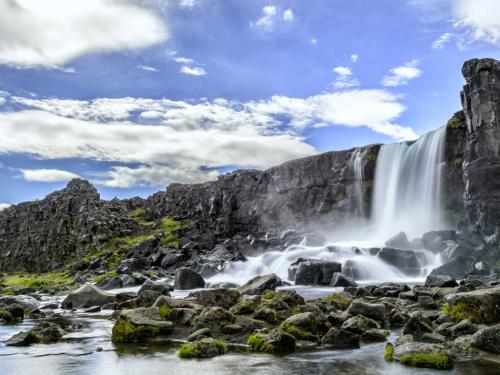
204, 348
127, 281
86, 296
268, 314
128, 266
260, 284
488, 339
417, 326
405, 260
274, 342
140, 324
224, 298
160, 288
43, 333
26, 302
399, 241
245, 306
302, 326
374, 335
375, 311
435, 240
314, 272
199, 334
479, 306
426, 302
339, 280
24, 338
186, 278
337, 338
440, 281
457, 268
418, 354
111, 283
214, 318
360, 324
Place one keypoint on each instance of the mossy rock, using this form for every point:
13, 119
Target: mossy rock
245, 306
274, 342
140, 324
204, 348
478, 306
336, 298
442, 361
389, 352
302, 326
290, 297
6, 316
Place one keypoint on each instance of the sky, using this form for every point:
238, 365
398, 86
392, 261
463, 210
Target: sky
135, 95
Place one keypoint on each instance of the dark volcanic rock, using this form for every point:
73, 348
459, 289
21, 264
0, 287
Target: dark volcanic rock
313, 271
339, 279
440, 281
186, 278
407, 261
87, 296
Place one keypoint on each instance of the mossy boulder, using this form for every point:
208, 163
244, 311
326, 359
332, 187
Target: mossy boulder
302, 326
245, 306
360, 324
375, 311
478, 306
214, 318
224, 298
417, 326
204, 348
488, 339
339, 301
337, 338
43, 333
290, 297
260, 284
7, 317
140, 324
418, 354
274, 342
268, 314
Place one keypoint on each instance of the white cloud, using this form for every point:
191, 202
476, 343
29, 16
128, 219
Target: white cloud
401, 75
47, 175
3, 206
314, 41
147, 68
354, 57
345, 78
440, 42
52, 32
288, 15
2, 100
267, 18
177, 140
478, 20
192, 70
186, 3
183, 60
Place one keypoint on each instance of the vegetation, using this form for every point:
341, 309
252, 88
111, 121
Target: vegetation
201, 349
389, 352
188, 350
36, 281
169, 226
125, 331
335, 297
430, 360
461, 311
104, 276
140, 216
165, 311
296, 332
256, 343
454, 123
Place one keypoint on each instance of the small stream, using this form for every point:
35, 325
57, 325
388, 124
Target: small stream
77, 354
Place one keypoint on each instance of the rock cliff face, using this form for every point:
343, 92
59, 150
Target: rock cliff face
324, 188
43, 235
481, 104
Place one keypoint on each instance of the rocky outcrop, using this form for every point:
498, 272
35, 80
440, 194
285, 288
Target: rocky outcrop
44, 235
481, 104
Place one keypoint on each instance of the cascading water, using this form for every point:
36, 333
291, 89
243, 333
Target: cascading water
407, 195
406, 198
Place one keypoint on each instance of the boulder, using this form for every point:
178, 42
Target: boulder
488, 339
136, 325
214, 318
186, 278
313, 271
111, 283
457, 268
435, 240
337, 338
375, 311
224, 298
274, 342
419, 354
205, 348
26, 302
87, 295
359, 324
399, 241
479, 306
374, 335
417, 326
302, 326
43, 333
341, 280
407, 261
260, 284
440, 281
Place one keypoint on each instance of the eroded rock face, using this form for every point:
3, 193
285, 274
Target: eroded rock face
481, 104
87, 296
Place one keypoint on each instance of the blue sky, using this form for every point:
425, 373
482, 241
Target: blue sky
134, 95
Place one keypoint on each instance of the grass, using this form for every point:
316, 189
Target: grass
107, 275
296, 332
36, 281
462, 311
169, 226
430, 360
140, 215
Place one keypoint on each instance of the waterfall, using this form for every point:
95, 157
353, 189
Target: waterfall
357, 195
407, 191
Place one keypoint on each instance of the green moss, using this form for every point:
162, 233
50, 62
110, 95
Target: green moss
245, 306
370, 156
140, 215
389, 352
221, 346
188, 350
165, 311
36, 281
335, 297
125, 331
454, 123
257, 343
457, 162
429, 360
169, 226
104, 276
461, 311
7, 316
296, 332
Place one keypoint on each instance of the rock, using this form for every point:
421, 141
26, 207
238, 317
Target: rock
440, 281
488, 339
433, 338
457, 268
24, 338
274, 342
417, 326
111, 283
479, 306
224, 298
374, 335
435, 240
302, 326
160, 289
360, 324
418, 354
136, 325
186, 278
464, 327
426, 302
268, 314
26, 302
214, 318
337, 338
405, 260
339, 279
43, 333
260, 284
92, 309
399, 241
313, 271
375, 311
204, 348
128, 266
199, 334
244, 306
86, 296
127, 281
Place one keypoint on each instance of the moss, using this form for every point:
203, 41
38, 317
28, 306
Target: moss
188, 350
296, 332
257, 343
125, 331
221, 346
169, 226
7, 316
245, 306
290, 297
457, 162
268, 295
194, 349
429, 360
139, 215
335, 297
370, 156
104, 276
165, 311
461, 311
36, 281
389, 352
454, 123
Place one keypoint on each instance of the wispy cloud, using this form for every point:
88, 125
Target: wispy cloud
3, 206
193, 70
270, 17
440, 42
288, 15
345, 78
401, 75
47, 175
354, 57
147, 68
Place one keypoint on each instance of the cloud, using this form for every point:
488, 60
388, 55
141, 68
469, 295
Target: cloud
354, 57
147, 68
288, 15
401, 75
3, 206
186, 3
47, 175
440, 42
345, 78
192, 70
478, 20
314, 41
50, 33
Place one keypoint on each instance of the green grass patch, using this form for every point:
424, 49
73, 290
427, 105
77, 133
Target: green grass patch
461, 311
441, 361
104, 276
169, 226
36, 281
165, 311
188, 350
